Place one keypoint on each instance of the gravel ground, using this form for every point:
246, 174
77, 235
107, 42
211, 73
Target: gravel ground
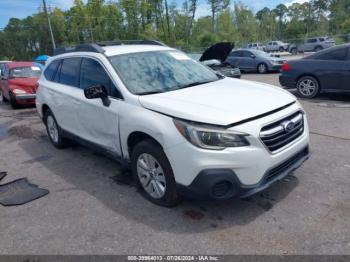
93, 209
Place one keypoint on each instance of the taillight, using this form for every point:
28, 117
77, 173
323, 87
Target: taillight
286, 67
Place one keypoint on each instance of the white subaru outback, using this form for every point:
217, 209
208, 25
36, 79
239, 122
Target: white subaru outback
182, 128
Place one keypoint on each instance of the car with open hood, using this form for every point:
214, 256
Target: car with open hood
19, 83
215, 56
183, 129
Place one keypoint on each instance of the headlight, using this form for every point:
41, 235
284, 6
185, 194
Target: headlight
19, 91
209, 137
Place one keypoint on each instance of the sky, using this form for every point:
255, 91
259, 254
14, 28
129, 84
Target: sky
24, 8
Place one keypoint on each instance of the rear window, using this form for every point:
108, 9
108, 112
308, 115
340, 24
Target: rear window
70, 72
339, 54
51, 69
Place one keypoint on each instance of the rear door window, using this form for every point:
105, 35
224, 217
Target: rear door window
236, 54
70, 72
51, 70
247, 54
312, 40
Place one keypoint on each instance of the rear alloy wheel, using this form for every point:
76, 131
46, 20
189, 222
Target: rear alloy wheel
153, 174
262, 68
294, 51
308, 87
54, 131
281, 49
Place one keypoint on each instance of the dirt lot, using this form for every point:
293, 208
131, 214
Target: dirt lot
92, 209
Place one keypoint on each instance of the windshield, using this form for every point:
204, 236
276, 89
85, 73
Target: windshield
160, 71
25, 72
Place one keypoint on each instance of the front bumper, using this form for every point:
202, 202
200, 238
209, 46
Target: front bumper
224, 183
275, 67
25, 99
25, 96
248, 165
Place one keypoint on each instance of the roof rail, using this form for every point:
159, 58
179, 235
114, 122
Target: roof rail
97, 47
131, 42
80, 48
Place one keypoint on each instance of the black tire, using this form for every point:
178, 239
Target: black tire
13, 101
3, 98
262, 68
61, 142
294, 51
281, 49
171, 197
302, 87
318, 48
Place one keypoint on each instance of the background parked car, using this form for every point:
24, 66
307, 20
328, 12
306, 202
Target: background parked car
258, 46
312, 45
2, 64
250, 60
19, 83
215, 57
275, 46
325, 71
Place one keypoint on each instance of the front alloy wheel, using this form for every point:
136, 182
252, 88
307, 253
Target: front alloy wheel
308, 87
153, 174
262, 68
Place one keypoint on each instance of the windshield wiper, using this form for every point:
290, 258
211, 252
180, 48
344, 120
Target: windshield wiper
196, 84
150, 92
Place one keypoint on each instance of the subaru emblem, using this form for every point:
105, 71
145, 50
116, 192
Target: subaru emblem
288, 126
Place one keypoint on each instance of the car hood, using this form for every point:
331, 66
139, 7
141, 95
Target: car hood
31, 82
219, 51
27, 84
222, 102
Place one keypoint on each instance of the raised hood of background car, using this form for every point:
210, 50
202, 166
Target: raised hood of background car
223, 102
219, 51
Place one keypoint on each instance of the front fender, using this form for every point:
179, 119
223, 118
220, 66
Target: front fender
138, 119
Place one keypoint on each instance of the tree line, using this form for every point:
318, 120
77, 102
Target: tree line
179, 26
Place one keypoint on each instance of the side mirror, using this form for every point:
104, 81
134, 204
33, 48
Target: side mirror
253, 56
97, 92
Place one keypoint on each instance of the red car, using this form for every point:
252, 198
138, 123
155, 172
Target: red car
19, 83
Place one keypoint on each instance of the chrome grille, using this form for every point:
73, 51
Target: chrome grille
282, 132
